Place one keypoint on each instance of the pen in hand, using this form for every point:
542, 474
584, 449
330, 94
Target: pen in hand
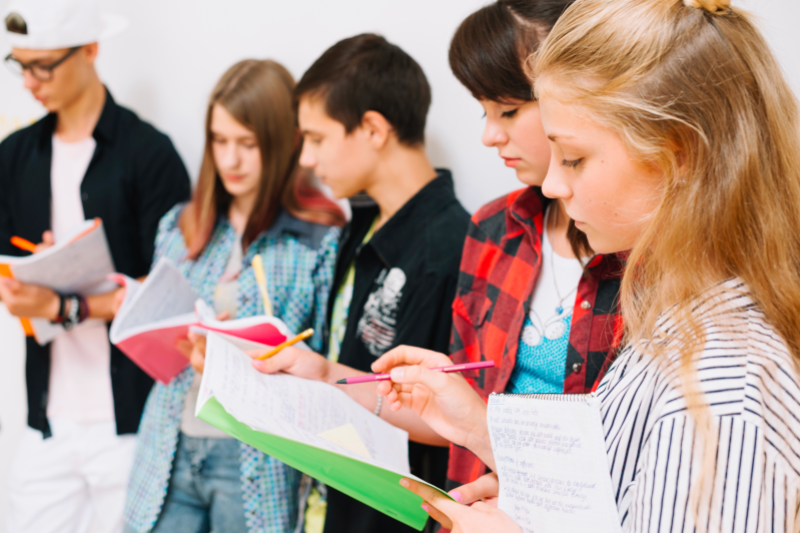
387, 376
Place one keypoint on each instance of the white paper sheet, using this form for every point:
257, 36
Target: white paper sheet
295, 408
552, 463
74, 265
165, 298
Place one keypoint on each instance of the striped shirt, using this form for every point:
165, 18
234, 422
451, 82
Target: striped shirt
654, 446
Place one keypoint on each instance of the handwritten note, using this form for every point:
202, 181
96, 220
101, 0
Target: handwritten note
551, 463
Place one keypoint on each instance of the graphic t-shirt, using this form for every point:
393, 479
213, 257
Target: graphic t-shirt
542, 353
341, 306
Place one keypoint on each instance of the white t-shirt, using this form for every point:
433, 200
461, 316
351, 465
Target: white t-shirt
80, 381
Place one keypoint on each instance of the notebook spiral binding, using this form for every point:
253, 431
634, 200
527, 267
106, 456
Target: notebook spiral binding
553, 397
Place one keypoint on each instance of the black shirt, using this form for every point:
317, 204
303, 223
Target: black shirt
133, 179
404, 285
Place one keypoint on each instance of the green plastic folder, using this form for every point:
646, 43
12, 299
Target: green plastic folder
372, 485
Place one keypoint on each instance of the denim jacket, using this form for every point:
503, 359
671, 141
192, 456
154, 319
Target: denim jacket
298, 258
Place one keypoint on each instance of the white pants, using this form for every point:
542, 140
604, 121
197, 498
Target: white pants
73, 482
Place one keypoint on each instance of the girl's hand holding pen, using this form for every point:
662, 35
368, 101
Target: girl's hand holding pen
444, 401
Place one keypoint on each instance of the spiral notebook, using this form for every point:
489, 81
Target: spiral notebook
551, 462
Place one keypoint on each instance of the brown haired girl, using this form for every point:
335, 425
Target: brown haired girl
251, 198
675, 136
552, 330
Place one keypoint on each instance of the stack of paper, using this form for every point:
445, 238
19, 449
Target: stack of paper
155, 314
311, 426
77, 264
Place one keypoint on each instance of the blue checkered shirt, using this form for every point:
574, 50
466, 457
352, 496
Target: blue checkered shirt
299, 259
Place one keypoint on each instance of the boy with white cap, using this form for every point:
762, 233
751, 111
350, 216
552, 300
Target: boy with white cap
89, 157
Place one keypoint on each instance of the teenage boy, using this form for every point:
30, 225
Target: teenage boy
89, 157
362, 111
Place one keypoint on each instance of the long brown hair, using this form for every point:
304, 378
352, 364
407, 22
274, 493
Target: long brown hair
258, 94
692, 87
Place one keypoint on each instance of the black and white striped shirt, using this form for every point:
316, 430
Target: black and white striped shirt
654, 451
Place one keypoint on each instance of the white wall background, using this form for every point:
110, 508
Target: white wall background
166, 63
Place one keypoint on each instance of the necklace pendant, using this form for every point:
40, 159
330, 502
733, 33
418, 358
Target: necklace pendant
559, 309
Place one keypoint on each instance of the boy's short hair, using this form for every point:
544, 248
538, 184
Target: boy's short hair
368, 73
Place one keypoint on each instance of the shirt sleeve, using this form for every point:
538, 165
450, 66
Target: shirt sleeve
164, 182
6, 222
747, 490
323, 279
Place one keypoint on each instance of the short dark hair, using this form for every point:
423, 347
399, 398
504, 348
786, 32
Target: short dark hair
16, 24
368, 73
489, 48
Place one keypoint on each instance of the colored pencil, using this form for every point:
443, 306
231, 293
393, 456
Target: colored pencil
258, 269
23, 244
304, 335
445, 369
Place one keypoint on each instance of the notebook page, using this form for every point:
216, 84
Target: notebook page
165, 294
297, 409
551, 463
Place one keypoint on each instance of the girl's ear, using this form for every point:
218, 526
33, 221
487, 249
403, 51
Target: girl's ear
377, 128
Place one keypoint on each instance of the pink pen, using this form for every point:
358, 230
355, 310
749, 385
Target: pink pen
386, 377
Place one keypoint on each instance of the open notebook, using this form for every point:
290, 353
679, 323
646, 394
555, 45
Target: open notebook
311, 426
155, 314
77, 264
551, 463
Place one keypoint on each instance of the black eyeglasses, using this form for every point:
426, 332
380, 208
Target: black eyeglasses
38, 71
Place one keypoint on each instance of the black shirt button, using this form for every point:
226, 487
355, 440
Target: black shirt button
576, 367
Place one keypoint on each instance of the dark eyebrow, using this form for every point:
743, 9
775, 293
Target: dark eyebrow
555, 138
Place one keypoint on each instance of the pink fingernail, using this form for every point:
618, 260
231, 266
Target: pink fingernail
456, 496
427, 509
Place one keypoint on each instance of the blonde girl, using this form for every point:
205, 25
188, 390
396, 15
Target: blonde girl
675, 136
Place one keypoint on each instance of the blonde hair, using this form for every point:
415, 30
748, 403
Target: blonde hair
692, 87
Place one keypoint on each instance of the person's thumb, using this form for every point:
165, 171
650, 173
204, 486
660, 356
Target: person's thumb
433, 379
486, 486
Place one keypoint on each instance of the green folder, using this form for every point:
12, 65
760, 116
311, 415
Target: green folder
372, 485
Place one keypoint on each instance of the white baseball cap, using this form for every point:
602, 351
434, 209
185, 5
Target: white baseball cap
54, 24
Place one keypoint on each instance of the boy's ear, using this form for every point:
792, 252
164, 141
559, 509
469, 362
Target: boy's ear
377, 128
90, 51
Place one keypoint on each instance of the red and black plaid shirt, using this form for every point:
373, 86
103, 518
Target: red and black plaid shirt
499, 268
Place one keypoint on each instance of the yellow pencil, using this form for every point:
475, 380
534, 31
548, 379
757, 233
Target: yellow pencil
303, 336
258, 269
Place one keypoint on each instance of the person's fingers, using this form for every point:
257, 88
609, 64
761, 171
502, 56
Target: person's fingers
445, 505
277, 363
194, 337
223, 316
409, 355
437, 381
184, 346
486, 486
48, 238
197, 360
437, 515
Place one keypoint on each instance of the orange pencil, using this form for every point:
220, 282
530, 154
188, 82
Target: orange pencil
306, 334
23, 244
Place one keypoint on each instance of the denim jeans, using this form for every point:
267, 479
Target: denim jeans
205, 491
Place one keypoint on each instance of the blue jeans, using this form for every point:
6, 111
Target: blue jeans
205, 491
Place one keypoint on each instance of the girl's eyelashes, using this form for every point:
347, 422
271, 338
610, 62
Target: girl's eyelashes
509, 114
572, 164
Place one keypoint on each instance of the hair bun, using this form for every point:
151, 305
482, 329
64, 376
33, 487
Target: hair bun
716, 7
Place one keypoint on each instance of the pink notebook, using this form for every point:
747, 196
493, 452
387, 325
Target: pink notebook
157, 313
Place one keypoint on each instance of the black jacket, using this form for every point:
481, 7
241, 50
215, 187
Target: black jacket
135, 176
403, 289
